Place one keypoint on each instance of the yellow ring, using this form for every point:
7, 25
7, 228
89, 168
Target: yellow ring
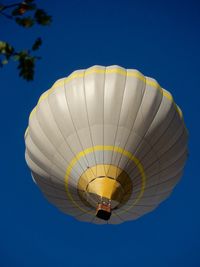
105, 148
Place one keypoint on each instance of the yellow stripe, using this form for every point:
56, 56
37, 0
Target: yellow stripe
33, 111
179, 112
26, 132
168, 96
116, 149
132, 73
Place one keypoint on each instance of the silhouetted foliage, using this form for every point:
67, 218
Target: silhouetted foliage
17, 12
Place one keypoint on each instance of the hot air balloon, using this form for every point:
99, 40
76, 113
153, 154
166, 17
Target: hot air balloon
106, 145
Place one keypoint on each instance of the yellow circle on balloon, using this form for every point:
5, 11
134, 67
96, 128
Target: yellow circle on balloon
116, 149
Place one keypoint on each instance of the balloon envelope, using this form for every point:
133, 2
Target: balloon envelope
106, 144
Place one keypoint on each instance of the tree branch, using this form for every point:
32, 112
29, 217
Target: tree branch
10, 6
6, 15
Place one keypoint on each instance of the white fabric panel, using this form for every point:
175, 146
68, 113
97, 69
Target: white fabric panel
34, 167
85, 217
76, 101
94, 95
127, 215
45, 163
149, 107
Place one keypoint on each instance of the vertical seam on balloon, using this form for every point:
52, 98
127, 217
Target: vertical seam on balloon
173, 145
42, 181
49, 175
47, 139
163, 194
49, 159
118, 121
104, 114
117, 215
155, 185
32, 157
72, 207
60, 198
86, 160
140, 142
74, 128
144, 88
64, 139
69, 210
142, 138
41, 172
178, 176
160, 171
79, 216
92, 220
169, 166
87, 115
61, 135
140, 205
127, 211
152, 147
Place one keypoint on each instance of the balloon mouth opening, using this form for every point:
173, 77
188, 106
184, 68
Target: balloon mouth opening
103, 211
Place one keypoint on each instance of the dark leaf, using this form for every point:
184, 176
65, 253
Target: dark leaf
1, 7
6, 49
26, 67
42, 18
23, 54
9, 49
2, 46
26, 22
16, 12
37, 44
22, 8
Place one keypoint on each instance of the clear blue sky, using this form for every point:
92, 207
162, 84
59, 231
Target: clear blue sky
162, 40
